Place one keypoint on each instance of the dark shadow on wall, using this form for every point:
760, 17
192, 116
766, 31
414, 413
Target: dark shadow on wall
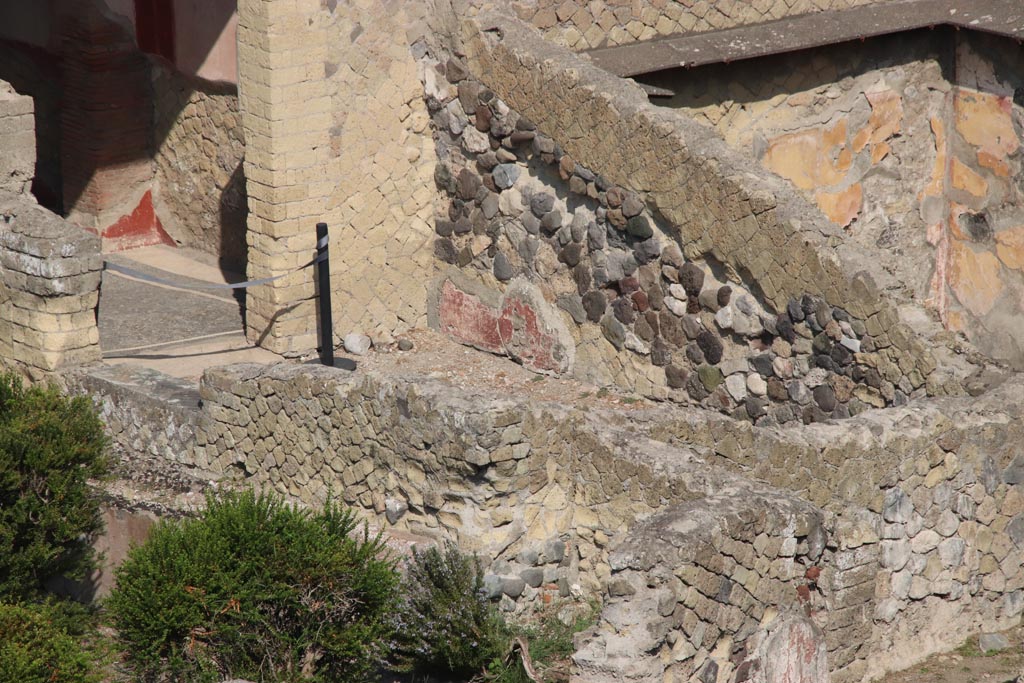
35, 72
108, 107
198, 164
234, 213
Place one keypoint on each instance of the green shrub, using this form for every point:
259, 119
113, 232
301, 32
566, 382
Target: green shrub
550, 643
35, 648
255, 588
447, 623
50, 445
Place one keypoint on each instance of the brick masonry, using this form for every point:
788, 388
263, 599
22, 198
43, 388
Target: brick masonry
359, 88
107, 128
285, 107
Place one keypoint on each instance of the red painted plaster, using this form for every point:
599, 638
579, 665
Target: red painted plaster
469, 320
515, 330
524, 338
140, 228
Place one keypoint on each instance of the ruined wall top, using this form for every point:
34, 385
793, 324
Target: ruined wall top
17, 140
582, 25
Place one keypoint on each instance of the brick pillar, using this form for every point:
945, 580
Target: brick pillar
285, 107
106, 129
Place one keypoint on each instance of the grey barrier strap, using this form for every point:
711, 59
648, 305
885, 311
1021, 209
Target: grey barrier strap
139, 275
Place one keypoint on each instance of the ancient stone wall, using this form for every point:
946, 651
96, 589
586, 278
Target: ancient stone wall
878, 138
925, 497
50, 290
976, 225
106, 137
382, 193
696, 585
36, 73
642, 283
199, 185
541, 490
527, 225
146, 413
582, 25
335, 130
285, 110
698, 187
17, 141
906, 545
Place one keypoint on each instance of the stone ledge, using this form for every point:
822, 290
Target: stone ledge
145, 411
1002, 17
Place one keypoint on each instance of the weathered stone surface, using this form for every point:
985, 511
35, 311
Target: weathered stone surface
503, 270
711, 346
51, 278
691, 278
505, 175
523, 325
357, 343
992, 642
794, 652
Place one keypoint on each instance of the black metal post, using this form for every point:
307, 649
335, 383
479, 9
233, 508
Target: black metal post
323, 278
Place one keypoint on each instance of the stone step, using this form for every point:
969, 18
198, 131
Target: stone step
147, 413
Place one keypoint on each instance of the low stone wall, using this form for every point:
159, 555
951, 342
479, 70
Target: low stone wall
695, 585
50, 290
926, 499
146, 413
542, 490
920, 509
17, 141
894, 532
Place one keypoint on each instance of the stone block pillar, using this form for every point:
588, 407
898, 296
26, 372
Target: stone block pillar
49, 290
17, 141
285, 107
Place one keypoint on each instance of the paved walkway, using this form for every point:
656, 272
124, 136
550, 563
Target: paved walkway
176, 331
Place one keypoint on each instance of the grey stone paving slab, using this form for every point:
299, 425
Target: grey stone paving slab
136, 314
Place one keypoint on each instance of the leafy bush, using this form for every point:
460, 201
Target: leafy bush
50, 445
35, 648
257, 589
448, 624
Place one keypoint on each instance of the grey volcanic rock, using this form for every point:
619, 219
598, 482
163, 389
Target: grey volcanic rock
356, 343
